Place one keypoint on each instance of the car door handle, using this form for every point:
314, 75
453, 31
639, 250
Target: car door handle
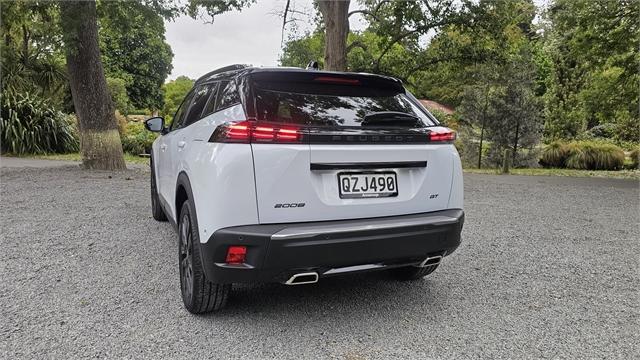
163, 147
181, 144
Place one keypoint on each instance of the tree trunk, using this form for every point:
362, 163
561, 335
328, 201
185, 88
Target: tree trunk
99, 139
515, 143
484, 117
335, 14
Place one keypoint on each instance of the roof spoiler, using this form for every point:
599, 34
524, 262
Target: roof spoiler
220, 71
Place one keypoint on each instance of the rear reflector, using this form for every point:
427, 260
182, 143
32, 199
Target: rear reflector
236, 254
445, 135
257, 132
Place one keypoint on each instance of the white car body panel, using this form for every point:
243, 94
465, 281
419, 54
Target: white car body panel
221, 175
283, 175
240, 184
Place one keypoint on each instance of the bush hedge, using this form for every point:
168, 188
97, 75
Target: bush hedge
30, 125
635, 158
136, 139
583, 155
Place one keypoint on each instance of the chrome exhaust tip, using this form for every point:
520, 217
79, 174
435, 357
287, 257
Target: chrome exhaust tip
432, 260
303, 278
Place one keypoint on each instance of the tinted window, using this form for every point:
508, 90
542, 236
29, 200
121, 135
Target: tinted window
227, 95
178, 118
330, 110
211, 103
200, 97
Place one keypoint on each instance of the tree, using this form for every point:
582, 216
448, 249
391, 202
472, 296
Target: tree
174, 93
335, 15
134, 49
475, 105
593, 47
518, 122
32, 59
99, 138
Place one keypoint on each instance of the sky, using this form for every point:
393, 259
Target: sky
252, 36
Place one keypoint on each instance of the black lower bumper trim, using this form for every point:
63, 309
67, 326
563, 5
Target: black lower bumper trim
276, 251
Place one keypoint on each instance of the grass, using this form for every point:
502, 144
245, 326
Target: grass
134, 159
617, 174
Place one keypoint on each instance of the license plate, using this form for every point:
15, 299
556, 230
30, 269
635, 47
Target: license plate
367, 184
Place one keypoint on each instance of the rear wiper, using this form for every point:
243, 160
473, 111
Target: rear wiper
390, 118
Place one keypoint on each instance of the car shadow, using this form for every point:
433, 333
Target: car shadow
333, 300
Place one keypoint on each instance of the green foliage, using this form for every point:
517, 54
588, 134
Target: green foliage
30, 125
298, 52
175, 91
583, 155
635, 158
118, 90
134, 50
593, 80
32, 59
136, 139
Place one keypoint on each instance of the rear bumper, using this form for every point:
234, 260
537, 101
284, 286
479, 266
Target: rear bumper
277, 251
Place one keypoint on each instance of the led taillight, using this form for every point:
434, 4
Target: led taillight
236, 254
257, 132
239, 131
444, 135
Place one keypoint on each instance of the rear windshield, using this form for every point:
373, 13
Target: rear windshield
338, 110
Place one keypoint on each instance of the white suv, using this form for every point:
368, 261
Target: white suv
291, 175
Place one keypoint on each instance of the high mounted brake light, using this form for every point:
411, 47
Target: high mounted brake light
337, 80
246, 132
444, 135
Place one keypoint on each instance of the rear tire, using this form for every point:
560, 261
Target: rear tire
156, 209
198, 294
409, 273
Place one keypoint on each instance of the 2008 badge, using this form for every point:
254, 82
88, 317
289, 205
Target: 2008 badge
290, 205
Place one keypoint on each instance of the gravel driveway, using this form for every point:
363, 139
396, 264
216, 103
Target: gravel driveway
549, 267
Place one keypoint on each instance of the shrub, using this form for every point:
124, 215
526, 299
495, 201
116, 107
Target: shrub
30, 125
585, 155
607, 157
635, 158
137, 140
588, 155
554, 155
605, 131
118, 90
122, 122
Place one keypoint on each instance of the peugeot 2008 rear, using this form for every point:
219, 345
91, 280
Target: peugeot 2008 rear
290, 175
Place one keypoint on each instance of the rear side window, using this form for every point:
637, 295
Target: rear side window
325, 109
227, 95
201, 95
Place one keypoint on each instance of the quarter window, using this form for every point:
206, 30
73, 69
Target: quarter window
228, 95
200, 97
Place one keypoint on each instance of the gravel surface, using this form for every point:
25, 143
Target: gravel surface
548, 268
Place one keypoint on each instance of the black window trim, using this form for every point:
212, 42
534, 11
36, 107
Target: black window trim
200, 117
214, 94
180, 107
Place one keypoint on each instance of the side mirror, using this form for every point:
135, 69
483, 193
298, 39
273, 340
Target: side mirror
155, 124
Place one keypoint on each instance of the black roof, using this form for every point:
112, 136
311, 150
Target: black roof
232, 71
